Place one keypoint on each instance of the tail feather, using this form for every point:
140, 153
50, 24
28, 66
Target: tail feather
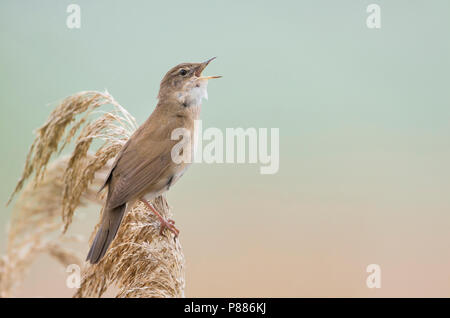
106, 233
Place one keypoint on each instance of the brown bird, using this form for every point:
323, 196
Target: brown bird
144, 167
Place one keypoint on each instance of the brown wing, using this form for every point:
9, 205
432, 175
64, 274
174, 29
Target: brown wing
118, 156
145, 160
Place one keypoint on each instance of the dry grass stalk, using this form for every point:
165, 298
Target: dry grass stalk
113, 127
141, 263
34, 228
50, 135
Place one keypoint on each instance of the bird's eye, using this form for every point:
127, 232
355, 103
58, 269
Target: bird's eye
183, 72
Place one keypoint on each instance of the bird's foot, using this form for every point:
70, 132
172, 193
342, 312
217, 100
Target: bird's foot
165, 224
170, 225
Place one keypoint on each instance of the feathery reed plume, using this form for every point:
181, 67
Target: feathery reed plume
50, 134
34, 228
140, 262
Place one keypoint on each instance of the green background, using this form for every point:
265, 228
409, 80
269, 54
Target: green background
364, 133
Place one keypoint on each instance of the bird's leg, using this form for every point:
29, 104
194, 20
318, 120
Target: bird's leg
169, 224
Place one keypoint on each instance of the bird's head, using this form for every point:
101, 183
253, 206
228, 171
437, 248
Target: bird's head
185, 83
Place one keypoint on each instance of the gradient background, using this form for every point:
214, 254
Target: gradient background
364, 134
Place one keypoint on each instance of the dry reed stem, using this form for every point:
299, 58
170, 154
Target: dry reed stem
140, 262
34, 228
50, 135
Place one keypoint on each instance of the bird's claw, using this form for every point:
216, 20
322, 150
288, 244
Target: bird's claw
170, 225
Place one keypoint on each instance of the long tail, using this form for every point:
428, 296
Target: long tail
108, 230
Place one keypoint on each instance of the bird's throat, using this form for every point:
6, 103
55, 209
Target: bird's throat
194, 93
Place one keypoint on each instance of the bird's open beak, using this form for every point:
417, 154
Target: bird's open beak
200, 69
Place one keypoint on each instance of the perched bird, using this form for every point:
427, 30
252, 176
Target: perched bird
144, 167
